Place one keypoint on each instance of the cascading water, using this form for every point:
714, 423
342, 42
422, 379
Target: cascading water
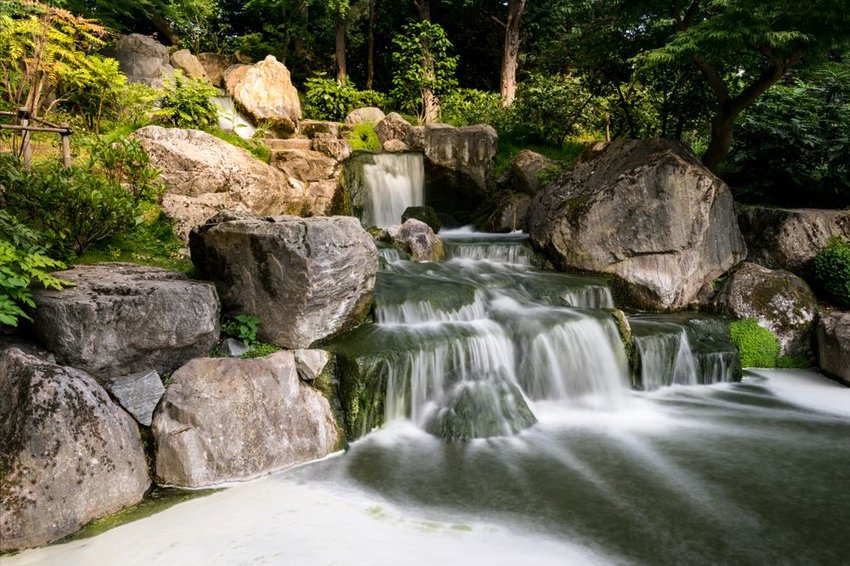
388, 184
231, 119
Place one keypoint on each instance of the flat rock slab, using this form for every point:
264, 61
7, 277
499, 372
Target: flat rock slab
122, 318
68, 454
304, 278
225, 419
139, 393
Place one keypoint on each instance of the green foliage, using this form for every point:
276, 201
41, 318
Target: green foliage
257, 148
187, 103
259, 350
22, 261
363, 137
791, 146
329, 99
831, 269
423, 65
124, 162
757, 346
468, 106
244, 327
93, 87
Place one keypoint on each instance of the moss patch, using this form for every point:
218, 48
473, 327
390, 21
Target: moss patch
757, 346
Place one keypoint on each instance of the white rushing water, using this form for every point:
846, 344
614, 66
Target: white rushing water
392, 183
231, 119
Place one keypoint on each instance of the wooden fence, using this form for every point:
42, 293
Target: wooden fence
22, 121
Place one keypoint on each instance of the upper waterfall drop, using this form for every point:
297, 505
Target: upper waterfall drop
392, 182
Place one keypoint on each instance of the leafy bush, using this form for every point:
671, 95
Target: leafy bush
72, 208
124, 162
22, 261
363, 137
329, 99
757, 346
187, 103
831, 268
468, 106
244, 327
92, 87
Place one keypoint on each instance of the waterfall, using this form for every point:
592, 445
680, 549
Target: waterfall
231, 119
391, 182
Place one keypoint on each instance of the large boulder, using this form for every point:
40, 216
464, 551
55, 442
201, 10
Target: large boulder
646, 211
304, 165
458, 166
68, 455
779, 300
395, 128
225, 419
143, 59
416, 239
526, 170
265, 92
209, 173
214, 66
305, 278
510, 212
121, 318
189, 64
789, 238
367, 115
833, 336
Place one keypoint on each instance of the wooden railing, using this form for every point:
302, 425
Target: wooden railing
22, 121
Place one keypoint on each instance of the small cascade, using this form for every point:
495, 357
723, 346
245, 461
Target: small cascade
391, 182
231, 119
516, 252
683, 352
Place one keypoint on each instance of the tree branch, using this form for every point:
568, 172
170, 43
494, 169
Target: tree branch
498, 21
714, 79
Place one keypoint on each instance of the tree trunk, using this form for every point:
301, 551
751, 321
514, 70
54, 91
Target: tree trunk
511, 53
370, 43
721, 138
341, 70
423, 7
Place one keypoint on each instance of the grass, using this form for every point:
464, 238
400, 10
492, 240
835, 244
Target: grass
257, 148
152, 242
509, 148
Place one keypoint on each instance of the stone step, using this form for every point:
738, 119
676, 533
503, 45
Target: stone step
291, 143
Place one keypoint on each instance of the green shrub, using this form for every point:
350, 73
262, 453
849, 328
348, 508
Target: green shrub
187, 103
22, 261
363, 137
72, 208
329, 99
124, 162
244, 327
757, 346
468, 106
831, 269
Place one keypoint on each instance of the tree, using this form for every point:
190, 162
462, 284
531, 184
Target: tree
510, 56
741, 48
424, 68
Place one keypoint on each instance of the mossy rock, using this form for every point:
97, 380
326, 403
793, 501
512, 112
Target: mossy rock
424, 214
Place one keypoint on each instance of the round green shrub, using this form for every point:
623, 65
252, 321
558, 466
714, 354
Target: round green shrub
831, 268
757, 346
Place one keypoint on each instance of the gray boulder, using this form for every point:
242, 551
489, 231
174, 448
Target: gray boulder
189, 64
209, 175
833, 336
305, 278
367, 115
138, 393
265, 92
779, 300
416, 239
68, 454
395, 128
789, 238
526, 170
510, 212
310, 364
143, 59
225, 419
646, 211
214, 66
458, 166
122, 318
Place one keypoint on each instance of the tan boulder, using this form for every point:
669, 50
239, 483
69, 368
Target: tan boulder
189, 64
265, 91
214, 65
